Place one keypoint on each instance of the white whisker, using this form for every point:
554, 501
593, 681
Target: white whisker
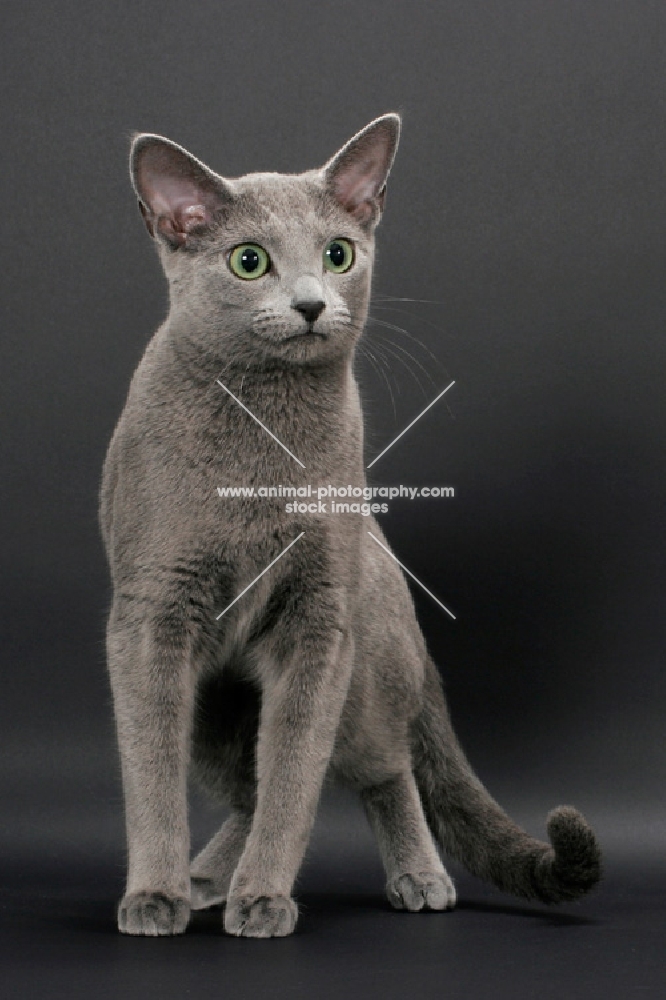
385, 342
406, 298
364, 349
401, 329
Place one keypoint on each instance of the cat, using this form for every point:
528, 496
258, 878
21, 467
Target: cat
319, 668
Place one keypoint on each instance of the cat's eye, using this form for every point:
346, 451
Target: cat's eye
249, 261
339, 256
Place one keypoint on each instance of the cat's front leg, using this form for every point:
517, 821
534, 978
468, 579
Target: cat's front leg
152, 687
302, 700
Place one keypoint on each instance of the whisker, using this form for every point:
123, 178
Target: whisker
380, 371
385, 372
406, 298
401, 329
403, 362
403, 350
406, 312
387, 363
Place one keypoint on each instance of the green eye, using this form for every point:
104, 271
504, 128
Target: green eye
249, 261
339, 256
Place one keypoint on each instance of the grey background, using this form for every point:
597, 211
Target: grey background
526, 207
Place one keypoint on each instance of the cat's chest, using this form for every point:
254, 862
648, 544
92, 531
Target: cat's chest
241, 459
238, 448
234, 490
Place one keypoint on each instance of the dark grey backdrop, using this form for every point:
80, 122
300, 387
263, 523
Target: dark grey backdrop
526, 207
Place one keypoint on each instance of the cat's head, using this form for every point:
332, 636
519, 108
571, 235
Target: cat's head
273, 266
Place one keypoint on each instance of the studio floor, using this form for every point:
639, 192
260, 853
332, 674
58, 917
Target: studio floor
59, 938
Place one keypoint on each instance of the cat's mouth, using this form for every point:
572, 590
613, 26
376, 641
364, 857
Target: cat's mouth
305, 335
305, 342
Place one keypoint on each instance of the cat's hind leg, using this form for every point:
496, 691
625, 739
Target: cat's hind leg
416, 877
223, 756
213, 867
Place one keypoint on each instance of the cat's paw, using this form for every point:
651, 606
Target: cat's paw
416, 891
260, 916
206, 892
153, 914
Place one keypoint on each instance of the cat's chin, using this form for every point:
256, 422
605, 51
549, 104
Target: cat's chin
307, 347
306, 335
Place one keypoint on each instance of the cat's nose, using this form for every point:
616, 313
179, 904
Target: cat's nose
308, 298
310, 309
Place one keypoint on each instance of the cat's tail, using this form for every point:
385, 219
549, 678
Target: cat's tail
475, 830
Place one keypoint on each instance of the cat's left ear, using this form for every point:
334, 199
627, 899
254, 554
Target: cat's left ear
357, 174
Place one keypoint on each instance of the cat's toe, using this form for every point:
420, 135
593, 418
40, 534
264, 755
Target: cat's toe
260, 916
416, 891
153, 914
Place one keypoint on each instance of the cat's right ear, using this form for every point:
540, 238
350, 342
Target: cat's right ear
179, 196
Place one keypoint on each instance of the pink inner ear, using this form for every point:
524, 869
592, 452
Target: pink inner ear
193, 215
179, 199
357, 174
359, 182
177, 193
185, 218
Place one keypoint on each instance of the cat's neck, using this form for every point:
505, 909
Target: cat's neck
313, 410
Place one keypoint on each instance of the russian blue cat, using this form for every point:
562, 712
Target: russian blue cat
319, 668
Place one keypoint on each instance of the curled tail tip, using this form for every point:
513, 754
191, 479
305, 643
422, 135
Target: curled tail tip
573, 839
574, 865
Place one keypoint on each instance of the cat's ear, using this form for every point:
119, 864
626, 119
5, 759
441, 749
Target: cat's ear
179, 196
357, 174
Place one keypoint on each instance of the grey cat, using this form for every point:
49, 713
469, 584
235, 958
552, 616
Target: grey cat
320, 667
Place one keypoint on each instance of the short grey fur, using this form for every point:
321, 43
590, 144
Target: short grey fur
320, 669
